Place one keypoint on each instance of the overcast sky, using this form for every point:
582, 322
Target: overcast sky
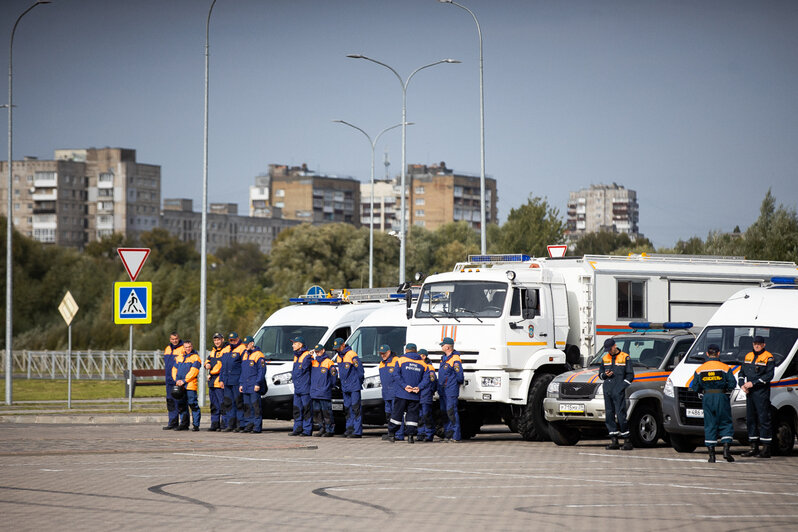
693, 104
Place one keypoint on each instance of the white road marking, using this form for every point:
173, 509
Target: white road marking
615, 455
53, 470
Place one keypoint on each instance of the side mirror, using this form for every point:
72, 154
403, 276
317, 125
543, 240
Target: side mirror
409, 303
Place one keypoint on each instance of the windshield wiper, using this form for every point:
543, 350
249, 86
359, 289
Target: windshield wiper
472, 312
451, 315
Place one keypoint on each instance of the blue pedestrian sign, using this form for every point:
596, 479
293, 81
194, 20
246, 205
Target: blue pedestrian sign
132, 303
316, 291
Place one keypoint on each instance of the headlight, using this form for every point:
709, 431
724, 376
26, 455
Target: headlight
668, 391
553, 389
371, 382
491, 382
282, 378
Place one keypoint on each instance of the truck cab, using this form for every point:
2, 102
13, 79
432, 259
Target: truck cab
574, 403
768, 312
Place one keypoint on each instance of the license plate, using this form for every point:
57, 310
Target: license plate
694, 412
338, 406
572, 408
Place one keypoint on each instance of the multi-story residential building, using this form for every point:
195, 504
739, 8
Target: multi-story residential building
386, 204
307, 196
437, 195
225, 226
603, 208
259, 197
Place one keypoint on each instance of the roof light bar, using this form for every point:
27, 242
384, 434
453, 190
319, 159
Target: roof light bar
783, 280
661, 326
517, 257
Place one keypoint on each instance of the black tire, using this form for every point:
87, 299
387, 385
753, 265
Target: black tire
783, 435
682, 443
562, 434
645, 426
533, 425
470, 424
512, 423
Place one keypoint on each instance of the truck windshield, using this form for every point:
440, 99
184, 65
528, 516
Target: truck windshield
366, 341
462, 299
644, 352
735, 342
275, 341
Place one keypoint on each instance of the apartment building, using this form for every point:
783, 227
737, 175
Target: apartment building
386, 204
603, 208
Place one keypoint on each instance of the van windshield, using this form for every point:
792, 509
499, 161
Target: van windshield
645, 352
275, 341
462, 299
366, 341
735, 342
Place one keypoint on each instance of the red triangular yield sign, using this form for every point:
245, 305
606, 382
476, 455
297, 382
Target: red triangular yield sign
133, 259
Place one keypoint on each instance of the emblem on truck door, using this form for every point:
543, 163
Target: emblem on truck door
531, 331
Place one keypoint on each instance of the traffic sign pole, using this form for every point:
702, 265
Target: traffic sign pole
130, 373
69, 369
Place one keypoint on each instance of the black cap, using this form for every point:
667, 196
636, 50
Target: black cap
608, 343
233, 336
713, 348
338, 342
218, 335
758, 340
248, 339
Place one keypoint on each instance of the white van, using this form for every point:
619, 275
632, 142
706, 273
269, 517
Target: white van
769, 312
318, 321
388, 325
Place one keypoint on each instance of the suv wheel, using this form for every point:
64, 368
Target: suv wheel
783, 435
682, 443
562, 434
645, 426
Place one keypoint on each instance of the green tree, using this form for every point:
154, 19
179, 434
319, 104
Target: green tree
609, 243
530, 228
774, 235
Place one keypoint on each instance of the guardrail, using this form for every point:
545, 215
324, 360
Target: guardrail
90, 364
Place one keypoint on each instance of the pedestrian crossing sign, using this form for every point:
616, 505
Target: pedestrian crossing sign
132, 303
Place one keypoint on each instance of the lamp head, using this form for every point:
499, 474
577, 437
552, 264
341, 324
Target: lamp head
445, 1
451, 60
355, 56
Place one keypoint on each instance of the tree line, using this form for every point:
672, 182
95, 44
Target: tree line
245, 286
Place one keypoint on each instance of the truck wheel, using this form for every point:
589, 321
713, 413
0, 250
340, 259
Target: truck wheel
783, 436
645, 427
469, 426
533, 425
682, 443
562, 434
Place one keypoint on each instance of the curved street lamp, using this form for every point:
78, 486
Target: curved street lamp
371, 211
404, 84
483, 240
9, 213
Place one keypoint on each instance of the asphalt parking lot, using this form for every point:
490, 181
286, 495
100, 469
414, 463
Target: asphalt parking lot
131, 477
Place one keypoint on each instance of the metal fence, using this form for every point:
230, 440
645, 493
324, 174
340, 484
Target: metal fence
102, 365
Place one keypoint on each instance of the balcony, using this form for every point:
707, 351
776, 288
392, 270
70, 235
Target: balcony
46, 195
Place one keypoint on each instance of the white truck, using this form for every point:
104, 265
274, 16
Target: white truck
769, 312
518, 321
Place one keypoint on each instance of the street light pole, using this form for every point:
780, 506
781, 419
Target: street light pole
404, 84
203, 245
483, 228
371, 211
10, 213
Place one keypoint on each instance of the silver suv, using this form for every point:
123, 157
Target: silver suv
574, 403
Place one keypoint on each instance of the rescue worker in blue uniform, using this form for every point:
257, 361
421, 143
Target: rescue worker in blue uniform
755, 377
175, 347
450, 377
351, 375
253, 384
387, 369
617, 373
409, 380
230, 376
426, 423
322, 379
714, 380
300, 376
215, 390
185, 372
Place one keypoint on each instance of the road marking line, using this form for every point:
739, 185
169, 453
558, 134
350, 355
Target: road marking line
646, 457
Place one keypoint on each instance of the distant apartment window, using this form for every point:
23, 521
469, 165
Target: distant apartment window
16, 206
631, 299
16, 179
419, 190
419, 213
16, 192
420, 223
280, 193
419, 201
29, 179
458, 191
131, 194
279, 204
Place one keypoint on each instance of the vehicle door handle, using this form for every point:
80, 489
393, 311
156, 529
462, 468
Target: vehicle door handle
544, 334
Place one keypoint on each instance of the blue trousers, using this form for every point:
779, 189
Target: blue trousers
303, 420
717, 419
232, 407
407, 410
216, 396
400, 434
322, 415
615, 407
171, 406
426, 422
757, 414
190, 402
354, 413
252, 412
451, 427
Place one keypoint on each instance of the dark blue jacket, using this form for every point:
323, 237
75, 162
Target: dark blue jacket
350, 370
411, 372
428, 392
450, 375
322, 377
230, 373
622, 372
169, 360
758, 368
253, 371
300, 374
388, 369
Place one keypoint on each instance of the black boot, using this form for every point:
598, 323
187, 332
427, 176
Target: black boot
765, 451
182, 427
214, 427
627, 445
727, 453
711, 455
613, 446
754, 449
170, 426
411, 438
